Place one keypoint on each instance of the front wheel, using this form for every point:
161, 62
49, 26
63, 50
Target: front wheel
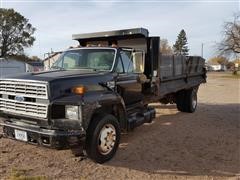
103, 138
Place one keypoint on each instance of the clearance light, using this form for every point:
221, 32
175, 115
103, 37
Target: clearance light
79, 90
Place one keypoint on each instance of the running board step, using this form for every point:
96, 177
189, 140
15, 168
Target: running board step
139, 118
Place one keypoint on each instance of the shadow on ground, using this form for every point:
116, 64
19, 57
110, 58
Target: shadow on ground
206, 142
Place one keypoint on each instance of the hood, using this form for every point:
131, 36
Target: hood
56, 75
61, 81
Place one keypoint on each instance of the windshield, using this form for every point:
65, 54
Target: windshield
96, 59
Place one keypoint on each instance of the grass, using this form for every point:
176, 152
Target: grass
233, 76
21, 174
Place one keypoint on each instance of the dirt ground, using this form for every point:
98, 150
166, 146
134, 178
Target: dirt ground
202, 145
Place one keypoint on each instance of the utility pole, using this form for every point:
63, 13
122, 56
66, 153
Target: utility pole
202, 46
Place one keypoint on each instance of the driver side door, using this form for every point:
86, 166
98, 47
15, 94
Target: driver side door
128, 84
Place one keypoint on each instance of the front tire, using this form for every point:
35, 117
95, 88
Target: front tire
103, 138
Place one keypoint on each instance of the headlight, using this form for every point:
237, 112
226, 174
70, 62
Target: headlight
73, 112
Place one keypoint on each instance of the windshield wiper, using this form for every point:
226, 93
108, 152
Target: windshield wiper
57, 67
87, 68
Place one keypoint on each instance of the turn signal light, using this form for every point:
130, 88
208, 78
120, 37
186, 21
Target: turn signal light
79, 90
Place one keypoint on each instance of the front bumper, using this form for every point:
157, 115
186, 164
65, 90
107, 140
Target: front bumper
57, 139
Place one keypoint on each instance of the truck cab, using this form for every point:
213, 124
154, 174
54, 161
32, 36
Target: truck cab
125, 65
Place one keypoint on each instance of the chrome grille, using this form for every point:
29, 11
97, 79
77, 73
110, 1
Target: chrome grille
33, 89
24, 108
30, 91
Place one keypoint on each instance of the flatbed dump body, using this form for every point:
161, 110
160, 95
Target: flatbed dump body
180, 72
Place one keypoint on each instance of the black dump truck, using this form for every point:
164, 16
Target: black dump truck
95, 92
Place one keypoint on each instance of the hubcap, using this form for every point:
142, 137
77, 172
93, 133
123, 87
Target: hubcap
107, 139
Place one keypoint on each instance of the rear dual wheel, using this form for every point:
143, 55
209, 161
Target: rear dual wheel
187, 100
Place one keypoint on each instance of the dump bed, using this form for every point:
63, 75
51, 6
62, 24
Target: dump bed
180, 72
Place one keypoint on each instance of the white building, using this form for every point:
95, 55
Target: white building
12, 66
216, 67
48, 62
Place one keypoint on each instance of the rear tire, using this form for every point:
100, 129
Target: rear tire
103, 138
180, 100
187, 100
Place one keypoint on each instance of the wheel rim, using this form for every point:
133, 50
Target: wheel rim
194, 100
107, 139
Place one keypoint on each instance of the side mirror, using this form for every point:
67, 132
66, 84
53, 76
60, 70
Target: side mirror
138, 59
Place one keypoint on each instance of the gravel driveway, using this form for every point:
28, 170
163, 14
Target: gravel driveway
202, 145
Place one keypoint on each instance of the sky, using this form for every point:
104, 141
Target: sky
57, 20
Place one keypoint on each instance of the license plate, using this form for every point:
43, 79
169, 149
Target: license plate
20, 135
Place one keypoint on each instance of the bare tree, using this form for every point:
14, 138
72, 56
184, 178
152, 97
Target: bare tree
219, 60
230, 44
165, 48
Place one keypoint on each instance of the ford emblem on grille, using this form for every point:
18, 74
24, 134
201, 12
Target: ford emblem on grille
19, 98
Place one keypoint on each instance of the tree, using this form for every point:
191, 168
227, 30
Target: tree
35, 58
218, 60
237, 60
15, 33
230, 44
222, 61
165, 48
230, 65
180, 46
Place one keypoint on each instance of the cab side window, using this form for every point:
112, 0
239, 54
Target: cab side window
127, 62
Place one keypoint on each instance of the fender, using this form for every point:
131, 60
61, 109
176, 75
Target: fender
93, 103
105, 102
